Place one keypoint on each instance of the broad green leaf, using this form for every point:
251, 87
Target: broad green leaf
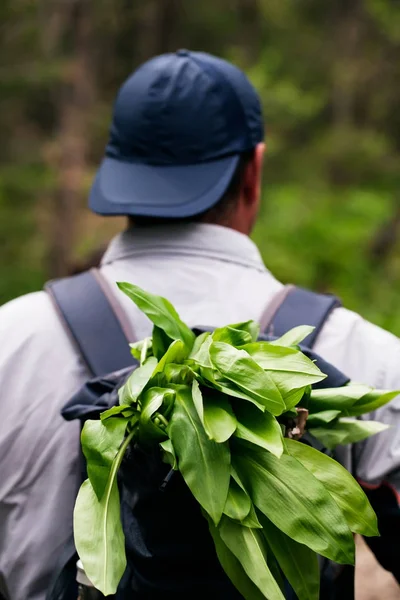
161, 312
142, 350
294, 397
152, 400
346, 430
99, 539
238, 367
121, 410
289, 367
252, 327
176, 353
248, 547
204, 464
294, 336
198, 400
238, 503
101, 441
344, 489
146, 349
232, 336
214, 380
298, 562
340, 398
323, 417
136, 383
200, 352
258, 428
160, 342
370, 402
273, 565
219, 420
295, 501
169, 454
251, 519
180, 374
233, 568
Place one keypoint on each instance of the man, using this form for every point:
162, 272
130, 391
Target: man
184, 163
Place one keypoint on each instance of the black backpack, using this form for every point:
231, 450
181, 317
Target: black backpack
170, 552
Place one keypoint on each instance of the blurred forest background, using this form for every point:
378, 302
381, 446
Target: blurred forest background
328, 74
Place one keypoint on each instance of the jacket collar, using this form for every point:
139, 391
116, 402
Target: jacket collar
195, 239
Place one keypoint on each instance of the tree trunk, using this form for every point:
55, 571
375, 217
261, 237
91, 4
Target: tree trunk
73, 99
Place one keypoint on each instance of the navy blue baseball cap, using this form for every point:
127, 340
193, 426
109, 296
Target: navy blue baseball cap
180, 123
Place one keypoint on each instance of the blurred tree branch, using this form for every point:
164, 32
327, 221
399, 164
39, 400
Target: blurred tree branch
386, 238
70, 37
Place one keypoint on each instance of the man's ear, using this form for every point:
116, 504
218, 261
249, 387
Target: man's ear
252, 176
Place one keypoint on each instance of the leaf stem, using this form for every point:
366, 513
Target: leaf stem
122, 450
162, 419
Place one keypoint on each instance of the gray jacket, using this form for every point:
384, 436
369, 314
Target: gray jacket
213, 276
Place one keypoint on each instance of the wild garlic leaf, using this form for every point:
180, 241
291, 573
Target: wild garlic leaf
161, 312
232, 336
346, 430
289, 367
295, 501
238, 367
121, 410
248, 547
252, 327
204, 464
169, 454
294, 336
211, 378
373, 400
176, 354
251, 519
101, 441
340, 398
219, 420
238, 503
344, 489
141, 349
99, 539
293, 398
137, 381
152, 400
260, 429
176, 373
200, 352
322, 418
197, 397
160, 342
298, 562
233, 568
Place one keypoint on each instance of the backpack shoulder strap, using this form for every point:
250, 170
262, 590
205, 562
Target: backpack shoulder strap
89, 316
295, 306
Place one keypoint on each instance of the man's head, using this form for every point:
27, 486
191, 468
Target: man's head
185, 144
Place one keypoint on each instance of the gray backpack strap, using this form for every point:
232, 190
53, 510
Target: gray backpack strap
295, 306
88, 313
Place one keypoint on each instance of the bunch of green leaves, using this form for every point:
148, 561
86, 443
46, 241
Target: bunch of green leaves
218, 406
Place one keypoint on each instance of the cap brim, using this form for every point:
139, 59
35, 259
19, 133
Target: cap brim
124, 188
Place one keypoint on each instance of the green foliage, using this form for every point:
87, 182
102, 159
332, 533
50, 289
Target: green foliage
271, 503
341, 485
298, 562
327, 76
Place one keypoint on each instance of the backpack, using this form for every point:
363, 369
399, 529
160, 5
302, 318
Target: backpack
170, 553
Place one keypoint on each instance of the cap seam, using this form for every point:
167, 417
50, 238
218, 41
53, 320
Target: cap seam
214, 69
